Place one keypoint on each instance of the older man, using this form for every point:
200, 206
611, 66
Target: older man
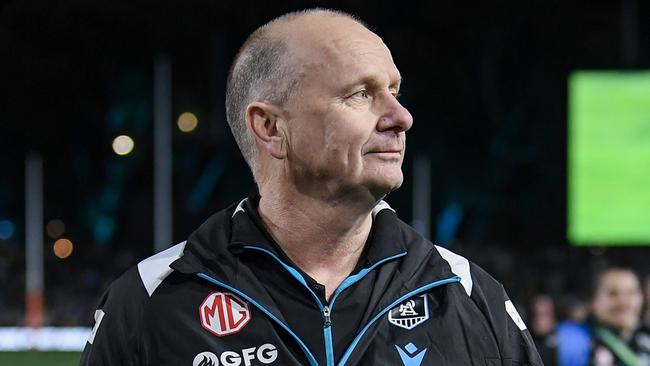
317, 269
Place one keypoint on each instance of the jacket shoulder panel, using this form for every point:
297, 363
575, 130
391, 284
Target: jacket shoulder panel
459, 266
155, 269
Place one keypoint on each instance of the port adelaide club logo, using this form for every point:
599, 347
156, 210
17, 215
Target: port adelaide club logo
410, 313
223, 313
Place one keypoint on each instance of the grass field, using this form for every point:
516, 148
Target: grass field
34, 358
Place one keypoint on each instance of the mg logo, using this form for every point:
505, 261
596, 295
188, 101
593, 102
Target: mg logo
223, 313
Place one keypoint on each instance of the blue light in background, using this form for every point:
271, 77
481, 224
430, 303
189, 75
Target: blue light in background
448, 223
104, 228
6, 229
206, 183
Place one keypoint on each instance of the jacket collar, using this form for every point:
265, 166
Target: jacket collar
211, 246
383, 242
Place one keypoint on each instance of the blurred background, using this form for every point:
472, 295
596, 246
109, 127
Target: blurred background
530, 152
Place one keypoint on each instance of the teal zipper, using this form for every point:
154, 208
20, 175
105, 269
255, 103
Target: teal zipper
326, 310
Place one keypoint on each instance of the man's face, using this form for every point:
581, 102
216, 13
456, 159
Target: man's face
618, 300
346, 129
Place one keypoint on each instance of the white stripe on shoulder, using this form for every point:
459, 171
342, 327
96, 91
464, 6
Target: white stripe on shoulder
460, 266
155, 269
240, 208
382, 205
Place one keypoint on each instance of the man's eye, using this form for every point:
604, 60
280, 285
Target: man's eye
362, 94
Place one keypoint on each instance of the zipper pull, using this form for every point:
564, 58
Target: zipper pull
326, 315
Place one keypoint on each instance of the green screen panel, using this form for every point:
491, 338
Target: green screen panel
609, 158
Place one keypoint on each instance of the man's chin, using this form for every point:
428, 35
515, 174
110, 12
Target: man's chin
380, 188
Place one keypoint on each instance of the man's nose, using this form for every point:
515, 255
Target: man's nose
395, 116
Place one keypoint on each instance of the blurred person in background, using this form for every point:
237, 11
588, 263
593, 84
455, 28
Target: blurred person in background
613, 335
646, 292
576, 309
542, 328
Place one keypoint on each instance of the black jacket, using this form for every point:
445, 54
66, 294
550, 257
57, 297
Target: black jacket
228, 296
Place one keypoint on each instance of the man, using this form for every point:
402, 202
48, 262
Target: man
317, 269
613, 335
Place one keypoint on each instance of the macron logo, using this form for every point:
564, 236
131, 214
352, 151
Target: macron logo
409, 356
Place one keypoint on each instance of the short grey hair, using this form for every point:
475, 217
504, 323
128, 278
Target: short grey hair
263, 71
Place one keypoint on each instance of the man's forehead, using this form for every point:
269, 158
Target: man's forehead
326, 35
317, 23
334, 42
620, 278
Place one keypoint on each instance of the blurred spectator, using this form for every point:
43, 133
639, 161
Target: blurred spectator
542, 328
646, 290
613, 335
577, 310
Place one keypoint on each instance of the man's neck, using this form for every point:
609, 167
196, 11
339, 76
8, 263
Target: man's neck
324, 237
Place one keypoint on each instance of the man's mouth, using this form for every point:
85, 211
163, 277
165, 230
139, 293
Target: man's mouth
386, 154
397, 152
387, 150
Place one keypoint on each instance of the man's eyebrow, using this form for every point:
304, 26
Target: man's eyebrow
372, 81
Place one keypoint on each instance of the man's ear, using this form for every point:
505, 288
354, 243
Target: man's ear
266, 123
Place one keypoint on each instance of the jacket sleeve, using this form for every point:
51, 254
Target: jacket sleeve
515, 342
115, 337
